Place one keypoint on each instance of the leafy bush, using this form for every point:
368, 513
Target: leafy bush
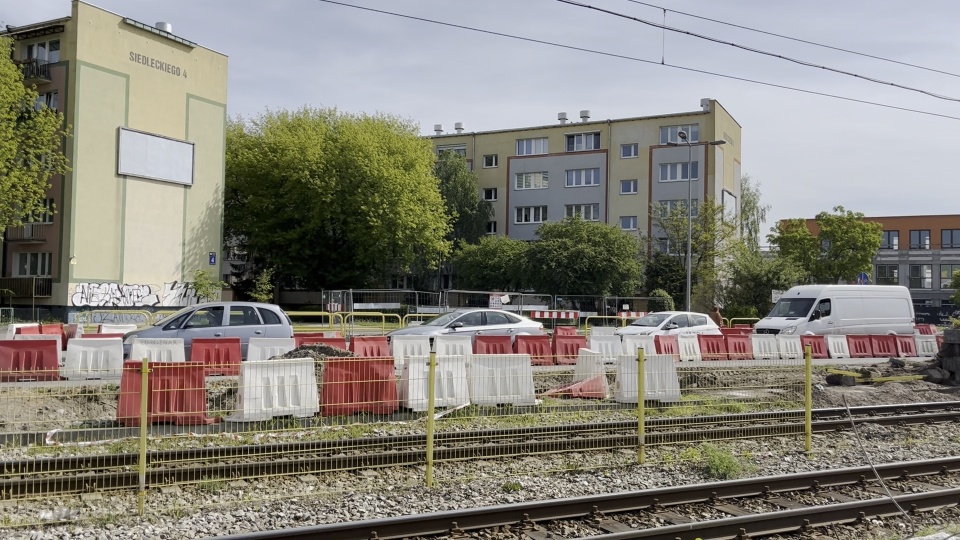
660, 300
720, 464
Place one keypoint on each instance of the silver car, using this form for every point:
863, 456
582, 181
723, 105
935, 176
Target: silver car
662, 323
218, 319
473, 322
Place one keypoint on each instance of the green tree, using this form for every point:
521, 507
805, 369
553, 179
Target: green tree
205, 287
466, 209
955, 285
752, 214
577, 257
262, 290
330, 199
751, 277
30, 145
495, 263
665, 273
843, 246
660, 300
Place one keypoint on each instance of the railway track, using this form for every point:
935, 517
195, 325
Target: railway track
739, 509
79, 474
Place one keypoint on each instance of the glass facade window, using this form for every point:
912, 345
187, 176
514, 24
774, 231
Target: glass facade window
921, 276
920, 239
946, 274
888, 274
950, 239
890, 240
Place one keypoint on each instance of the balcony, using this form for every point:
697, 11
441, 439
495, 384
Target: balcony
26, 287
28, 233
35, 71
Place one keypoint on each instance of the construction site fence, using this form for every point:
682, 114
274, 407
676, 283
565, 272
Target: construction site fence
214, 431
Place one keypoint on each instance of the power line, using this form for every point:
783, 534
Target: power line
635, 59
759, 51
798, 40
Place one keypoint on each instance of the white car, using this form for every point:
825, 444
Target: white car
665, 323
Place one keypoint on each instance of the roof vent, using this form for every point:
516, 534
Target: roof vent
705, 104
164, 27
562, 117
438, 129
584, 115
459, 127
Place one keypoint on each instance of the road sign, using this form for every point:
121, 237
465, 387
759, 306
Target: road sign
863, 279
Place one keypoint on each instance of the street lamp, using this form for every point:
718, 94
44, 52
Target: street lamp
683, 137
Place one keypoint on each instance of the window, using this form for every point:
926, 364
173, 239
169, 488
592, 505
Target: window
490, 194
680, 320
888, 274
589, 212
48, 100
459, 149
950, 239
43, 216
45, 50
921, 276
946, 274
268, 316
490, 161
629, 150
474, 318
699, 320
532, 180
824, 307
491, 227
920, 239
33, 264
890, 240
628, 187
668, 134
663, 245
677, 172
628, 223
494, 317
206, 318
583, 141
243, 316
667, 207
531, 214
529, 147
583, 177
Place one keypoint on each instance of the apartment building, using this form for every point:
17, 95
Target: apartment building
603, 170
142, 207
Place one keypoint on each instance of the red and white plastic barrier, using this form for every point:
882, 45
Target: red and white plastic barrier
554, 314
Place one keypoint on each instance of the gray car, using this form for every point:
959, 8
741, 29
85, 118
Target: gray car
218, 319
473, 322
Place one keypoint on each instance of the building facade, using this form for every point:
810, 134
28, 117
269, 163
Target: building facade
609, 171
141, 208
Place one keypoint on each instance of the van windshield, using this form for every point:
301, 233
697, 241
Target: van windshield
792, 307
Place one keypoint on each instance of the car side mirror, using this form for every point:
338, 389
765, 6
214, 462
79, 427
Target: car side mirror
815, 315
671, 326
456, 325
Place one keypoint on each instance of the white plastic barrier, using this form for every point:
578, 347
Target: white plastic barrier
689, 346
496, 379
157, 350
926, 345
601, 330
34, 337
454, 345
837, 346
450, 382
10, 330
93, 358
790, 347
764, 346
610, 348
278, 387
266, 348
116, 328
408, 346
632, 343
660, 380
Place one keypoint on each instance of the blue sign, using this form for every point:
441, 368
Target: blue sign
863, 279
213, 258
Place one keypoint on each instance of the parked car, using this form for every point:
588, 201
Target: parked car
473, 322
218, 319
662, 323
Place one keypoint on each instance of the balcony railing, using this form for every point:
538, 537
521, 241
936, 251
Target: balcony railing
35, 70
27, 233
26, 287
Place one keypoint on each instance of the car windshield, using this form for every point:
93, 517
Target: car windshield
792, 307
443, 319
653, 319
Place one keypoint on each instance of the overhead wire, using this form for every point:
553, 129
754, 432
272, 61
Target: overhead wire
759, 51
642, 60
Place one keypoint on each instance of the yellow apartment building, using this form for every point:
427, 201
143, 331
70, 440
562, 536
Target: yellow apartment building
142, 207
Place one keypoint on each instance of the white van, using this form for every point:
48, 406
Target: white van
841, 309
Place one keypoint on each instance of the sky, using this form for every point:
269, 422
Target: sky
808, 152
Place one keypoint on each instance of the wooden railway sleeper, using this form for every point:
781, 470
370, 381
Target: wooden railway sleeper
456, 533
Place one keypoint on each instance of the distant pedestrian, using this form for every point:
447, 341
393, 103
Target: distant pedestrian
716, 316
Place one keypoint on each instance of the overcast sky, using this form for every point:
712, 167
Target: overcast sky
809, 152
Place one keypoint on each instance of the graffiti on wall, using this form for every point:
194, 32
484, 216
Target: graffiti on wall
171, 294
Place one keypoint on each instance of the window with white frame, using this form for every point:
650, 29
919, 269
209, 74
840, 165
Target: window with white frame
529, 147
43, 216
946, 274
678, 172
47, 99
668, 134
631, 150
44, 50
490, 194
491, 227
579, 142
491, 160
628, 223
583, 177
531, 214
667, 207
921, 276
628, 187
664, 245
587, 212
32, 264
459, 149
532, 180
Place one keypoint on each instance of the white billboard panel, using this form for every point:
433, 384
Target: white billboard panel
158, 158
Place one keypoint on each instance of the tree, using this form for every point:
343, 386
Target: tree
329, 199
205, 287
496, 263
843, 247
660, 300
30, 145
467, 211
955, 285
262, 290
751, 277
665, 273
752, 214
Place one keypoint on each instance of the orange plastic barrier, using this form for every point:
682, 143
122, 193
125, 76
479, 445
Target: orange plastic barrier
28, 330
220, 356
667, 345
565, 330
883, 346
743, 325
354, 385
101, 336
939, 342
818, 346
369, 346
176, 393
492, 345
29, 360
926, 329
566, 349
307, 338
713, 347
739, 347
859, 346
906, 346
55, 329
538, 347
736, 331
592, 388
338, 342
